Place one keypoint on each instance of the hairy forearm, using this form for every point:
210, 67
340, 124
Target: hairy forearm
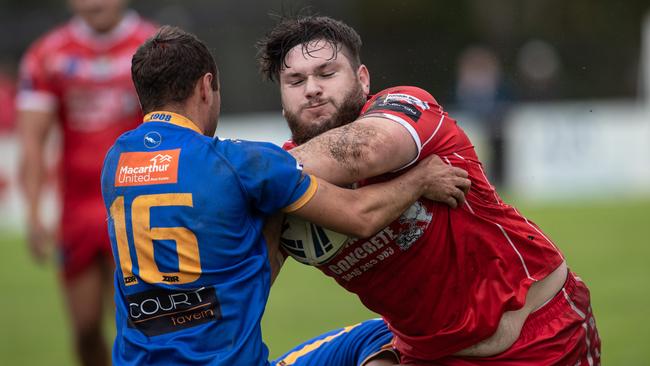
341, 156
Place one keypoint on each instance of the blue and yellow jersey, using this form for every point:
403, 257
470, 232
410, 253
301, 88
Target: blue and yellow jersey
355, 345
185, 218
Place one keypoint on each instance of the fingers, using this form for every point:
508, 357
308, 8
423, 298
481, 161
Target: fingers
38, 252
459, 172
463, 184
38, 245
455, 198
446, 184
458, 195
452, 193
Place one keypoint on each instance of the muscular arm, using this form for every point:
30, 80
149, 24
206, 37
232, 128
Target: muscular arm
363, 212
33, 129
365, 148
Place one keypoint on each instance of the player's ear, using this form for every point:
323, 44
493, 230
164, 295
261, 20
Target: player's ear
205, 86
364, 78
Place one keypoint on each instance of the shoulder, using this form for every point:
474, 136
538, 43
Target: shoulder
242, 150
50, 42
145, 28
408, 94
253, 158
409, 101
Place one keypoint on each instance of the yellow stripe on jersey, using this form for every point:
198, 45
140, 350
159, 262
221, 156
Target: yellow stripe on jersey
306, 197
292, 357
173, 118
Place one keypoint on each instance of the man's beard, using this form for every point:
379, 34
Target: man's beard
347, 112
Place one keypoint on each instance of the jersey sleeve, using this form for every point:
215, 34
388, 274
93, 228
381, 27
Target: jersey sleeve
272, 178
418, 112
36, 87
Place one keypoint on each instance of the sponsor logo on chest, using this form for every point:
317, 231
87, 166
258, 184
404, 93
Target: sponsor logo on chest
361, 255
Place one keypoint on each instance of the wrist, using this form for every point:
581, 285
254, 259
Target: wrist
417, 177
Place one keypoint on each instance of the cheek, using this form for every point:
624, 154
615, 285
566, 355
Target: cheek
290, 100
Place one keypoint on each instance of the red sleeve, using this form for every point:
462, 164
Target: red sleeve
288, 145
36, 87
417, 111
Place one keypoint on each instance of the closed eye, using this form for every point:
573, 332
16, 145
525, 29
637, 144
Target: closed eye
296, 82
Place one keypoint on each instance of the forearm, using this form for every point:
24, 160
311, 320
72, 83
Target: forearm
32, 177
380, 204
33, 129
365, 211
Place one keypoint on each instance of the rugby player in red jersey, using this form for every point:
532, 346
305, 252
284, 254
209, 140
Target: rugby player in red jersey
78, 77
475, 285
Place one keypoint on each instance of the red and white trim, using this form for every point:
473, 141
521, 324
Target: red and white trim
521, 258
36, 101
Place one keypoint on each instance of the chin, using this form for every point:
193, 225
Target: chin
103, 24
317, 120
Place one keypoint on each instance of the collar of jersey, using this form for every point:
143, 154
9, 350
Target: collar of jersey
173, 118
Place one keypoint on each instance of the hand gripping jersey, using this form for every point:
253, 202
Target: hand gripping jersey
185, 222
443, 277
85, 78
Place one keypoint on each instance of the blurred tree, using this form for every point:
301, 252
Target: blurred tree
405, 41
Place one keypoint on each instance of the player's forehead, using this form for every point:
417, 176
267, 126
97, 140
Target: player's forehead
307, 57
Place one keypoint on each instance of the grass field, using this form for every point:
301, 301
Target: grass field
607, 244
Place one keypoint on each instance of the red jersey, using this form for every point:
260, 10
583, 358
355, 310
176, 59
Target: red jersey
84, 77
442, 277
7, 108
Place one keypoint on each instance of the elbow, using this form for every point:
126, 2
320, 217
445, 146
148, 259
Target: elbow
364, 232
367, 224
368, 229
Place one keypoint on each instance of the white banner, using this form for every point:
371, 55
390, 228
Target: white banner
563, 150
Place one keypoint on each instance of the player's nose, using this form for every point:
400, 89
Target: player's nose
312, 88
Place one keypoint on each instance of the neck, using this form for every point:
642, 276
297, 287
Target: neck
190, 113
108, 28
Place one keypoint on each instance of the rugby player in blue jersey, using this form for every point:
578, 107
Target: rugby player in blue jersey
186, 214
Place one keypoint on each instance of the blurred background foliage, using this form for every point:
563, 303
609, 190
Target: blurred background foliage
590, 49
405, 42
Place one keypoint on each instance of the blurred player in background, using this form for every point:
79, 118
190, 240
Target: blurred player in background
186, 213
476, 285
77, 78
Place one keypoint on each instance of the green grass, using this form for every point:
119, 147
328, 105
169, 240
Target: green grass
607, 244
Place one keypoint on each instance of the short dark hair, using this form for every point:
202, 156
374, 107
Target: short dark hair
167, 66
290, 32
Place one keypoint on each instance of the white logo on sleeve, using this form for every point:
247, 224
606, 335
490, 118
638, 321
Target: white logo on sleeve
407, 99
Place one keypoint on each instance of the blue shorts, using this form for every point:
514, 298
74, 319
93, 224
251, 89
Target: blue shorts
350, 346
